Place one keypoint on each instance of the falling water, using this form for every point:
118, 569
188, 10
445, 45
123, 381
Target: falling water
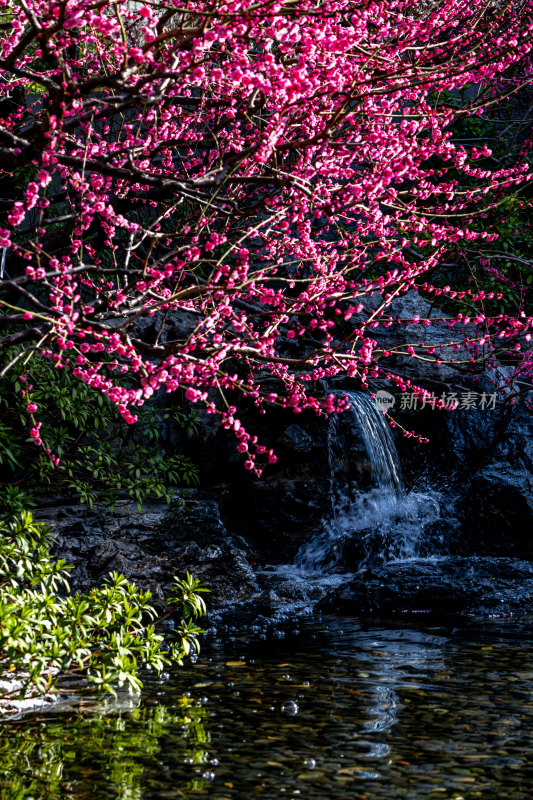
369, 422
373, 518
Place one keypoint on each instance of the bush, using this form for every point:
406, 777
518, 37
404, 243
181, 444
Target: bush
48, 633
97, 455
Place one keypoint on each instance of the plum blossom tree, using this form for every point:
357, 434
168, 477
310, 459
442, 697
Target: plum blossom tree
280, 170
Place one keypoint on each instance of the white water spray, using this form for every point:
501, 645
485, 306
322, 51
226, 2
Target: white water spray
380, 523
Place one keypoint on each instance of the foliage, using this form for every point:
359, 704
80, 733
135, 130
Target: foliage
262, 170
47, 633
98, 456
503, 267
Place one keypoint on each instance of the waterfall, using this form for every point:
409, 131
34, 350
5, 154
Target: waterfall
370, 422
373, 518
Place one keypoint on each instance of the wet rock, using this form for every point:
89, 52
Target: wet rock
487, 429
153, 546
79, 528
470, 433
499, 507
290, 498
516, 443
224, 568
295, 437
455, 585
151, 572
285, 510
197, 520
496, 490
481, 461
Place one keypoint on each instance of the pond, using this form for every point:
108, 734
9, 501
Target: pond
340, 708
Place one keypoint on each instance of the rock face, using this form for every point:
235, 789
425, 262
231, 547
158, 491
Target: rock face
495, 486
153, 547
292, 496
499, 504
164, 327
438, 335
454, 585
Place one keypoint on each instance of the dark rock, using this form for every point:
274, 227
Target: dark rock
163, 327
481, 462
516, 443
290, 498
470, 433
149, 571
153, 546
437, 334
499, 509
454, 585
197, 520
279, 512
495, 487
223, 568
294, 436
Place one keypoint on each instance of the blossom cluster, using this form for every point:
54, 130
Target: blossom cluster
278, 174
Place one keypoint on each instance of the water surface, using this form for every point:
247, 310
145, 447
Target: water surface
331, 709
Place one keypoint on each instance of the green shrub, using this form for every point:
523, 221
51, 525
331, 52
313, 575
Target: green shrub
101, 458
103, 638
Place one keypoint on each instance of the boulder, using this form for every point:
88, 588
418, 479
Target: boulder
498, 509
516, 443
164, 327
224, 568
295, 437
153, 546
496, 486
451, 585
438, 334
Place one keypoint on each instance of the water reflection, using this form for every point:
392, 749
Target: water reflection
100, 746
347, 710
